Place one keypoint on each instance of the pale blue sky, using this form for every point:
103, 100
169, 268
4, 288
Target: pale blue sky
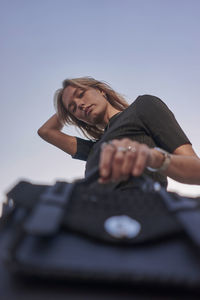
138, 47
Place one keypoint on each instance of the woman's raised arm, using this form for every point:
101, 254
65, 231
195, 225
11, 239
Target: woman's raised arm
50, 131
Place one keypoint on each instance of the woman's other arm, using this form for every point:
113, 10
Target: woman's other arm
50, 131
184, 165
185, 169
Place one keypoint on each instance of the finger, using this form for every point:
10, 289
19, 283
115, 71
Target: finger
123, 159
129, 161
105, 163
118, 160
104, 180
141, 160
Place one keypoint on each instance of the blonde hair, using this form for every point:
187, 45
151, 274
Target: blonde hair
90, 131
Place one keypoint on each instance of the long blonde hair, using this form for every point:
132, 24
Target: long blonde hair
90, 131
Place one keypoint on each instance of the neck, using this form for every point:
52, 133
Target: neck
111, 111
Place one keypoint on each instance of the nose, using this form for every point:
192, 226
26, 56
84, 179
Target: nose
80, 104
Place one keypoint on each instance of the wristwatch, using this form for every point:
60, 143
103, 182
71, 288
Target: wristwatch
166, 161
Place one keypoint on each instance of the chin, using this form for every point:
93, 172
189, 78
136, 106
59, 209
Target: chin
97, 118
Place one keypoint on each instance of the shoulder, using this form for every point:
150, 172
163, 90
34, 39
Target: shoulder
147, 99
149, 104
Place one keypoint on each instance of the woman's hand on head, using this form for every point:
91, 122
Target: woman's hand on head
120, 159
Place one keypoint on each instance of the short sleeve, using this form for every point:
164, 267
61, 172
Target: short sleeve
160, 123
83, 148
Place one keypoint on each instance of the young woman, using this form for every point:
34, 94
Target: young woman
128, 133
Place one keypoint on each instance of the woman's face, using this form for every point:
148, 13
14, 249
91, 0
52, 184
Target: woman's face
89, 106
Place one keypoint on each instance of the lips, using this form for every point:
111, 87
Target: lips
88, 110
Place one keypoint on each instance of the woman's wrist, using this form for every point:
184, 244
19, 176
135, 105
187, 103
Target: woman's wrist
159, 160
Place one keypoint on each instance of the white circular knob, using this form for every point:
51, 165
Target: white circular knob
122, 227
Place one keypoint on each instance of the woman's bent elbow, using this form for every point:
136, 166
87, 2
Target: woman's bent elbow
42, 132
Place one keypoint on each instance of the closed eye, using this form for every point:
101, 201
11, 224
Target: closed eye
81, 94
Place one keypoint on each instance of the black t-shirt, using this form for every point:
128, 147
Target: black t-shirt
147, 120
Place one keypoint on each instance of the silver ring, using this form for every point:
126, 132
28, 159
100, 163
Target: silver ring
125, 149
132, 149
122, 149
107, 143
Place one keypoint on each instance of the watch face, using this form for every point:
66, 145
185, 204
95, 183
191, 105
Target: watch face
161, 150
166, 161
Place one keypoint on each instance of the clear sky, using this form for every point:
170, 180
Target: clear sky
137, 46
